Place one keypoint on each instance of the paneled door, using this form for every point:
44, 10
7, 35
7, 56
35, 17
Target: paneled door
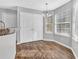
26, 27
31, 27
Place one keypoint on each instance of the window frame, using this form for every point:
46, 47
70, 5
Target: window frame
62, 34
45, 20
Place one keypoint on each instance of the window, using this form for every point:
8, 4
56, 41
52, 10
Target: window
48, 24
63, 22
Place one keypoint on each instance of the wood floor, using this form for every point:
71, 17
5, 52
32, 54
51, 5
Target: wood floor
43, 50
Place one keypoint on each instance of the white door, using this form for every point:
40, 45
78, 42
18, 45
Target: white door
31, 27
26, 24
38, 27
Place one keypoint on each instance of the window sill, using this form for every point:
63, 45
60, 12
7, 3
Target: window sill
48, 32
63, 34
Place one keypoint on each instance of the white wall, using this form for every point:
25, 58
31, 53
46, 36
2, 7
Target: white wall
75, 27
8, 17
8, 3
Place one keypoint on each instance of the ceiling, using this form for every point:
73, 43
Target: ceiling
34, 4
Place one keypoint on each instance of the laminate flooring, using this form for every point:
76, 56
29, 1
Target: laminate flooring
43, 50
